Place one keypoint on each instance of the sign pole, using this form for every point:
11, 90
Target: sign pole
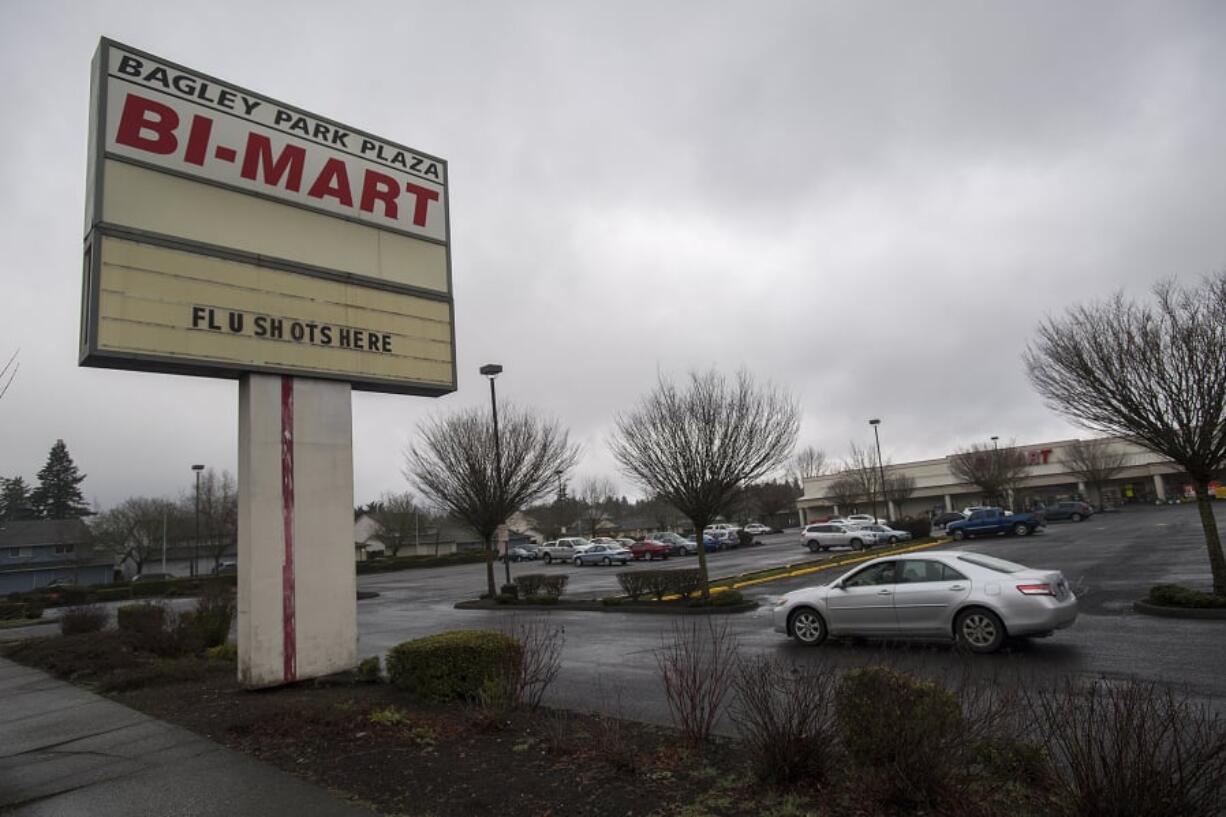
297, 588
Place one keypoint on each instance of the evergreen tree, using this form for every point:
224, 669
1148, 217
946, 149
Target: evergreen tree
14, 499
58, 495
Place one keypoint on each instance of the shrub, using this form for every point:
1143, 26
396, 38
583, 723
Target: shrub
142, 590
1174, 595
1132, 748
661, 583
546, 600
113, 593
611, 601
555, 584
34, 608
903, 730
389, 716
213, 614
146, 623
369, 669
696, 665
530, 584
632, 583
20, 609
454, 664
511, 590
786, 720
82, 618
222, 652
728, 598
506, 598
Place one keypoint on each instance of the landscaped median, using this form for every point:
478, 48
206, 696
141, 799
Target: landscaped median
1176, 601
669, 591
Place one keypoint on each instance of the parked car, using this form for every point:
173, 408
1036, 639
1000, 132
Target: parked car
602, 555
563, 550
1076, 511
941, 520
625, 542
145, 578
650, 549
225, 569
973, 599
757, 528
603, 540
885, 535
678, 544
993, 521
708, 542
864, 519
523, 553
832, 534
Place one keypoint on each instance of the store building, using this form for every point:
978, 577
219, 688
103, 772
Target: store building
1145, 478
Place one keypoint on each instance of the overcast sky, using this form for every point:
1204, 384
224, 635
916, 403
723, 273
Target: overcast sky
871, 204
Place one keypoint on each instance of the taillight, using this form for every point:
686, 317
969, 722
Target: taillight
1036, 589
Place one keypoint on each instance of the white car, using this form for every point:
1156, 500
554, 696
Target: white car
757, 528
826, 535
976, 600
864, 519
887, 535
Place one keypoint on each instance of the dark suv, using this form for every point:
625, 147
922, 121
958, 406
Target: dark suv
1076, 511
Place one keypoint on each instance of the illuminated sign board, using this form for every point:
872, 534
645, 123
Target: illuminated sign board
229, 232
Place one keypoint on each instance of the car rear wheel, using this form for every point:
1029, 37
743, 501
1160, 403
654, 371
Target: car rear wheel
979, 630
548, 559
807, 627
606, 561
1076, 517
958, 535
648, 556
856, 544
1020, 529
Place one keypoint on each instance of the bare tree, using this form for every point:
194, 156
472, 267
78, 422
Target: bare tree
594, 497
845, 492
699, 444
1095, 461
9, 373
997, 471
133, 530
809, 462
454, 464
1154, 372
864, 468
399, 520
898, 489
218, 514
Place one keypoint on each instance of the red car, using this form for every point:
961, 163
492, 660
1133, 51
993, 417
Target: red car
650, 549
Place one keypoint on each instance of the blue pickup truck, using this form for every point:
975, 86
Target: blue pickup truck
993, 521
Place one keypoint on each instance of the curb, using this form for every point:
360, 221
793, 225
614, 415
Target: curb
651, 609
1163, 611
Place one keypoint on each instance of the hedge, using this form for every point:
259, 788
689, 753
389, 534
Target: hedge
143, 620
660, 583
530, 584
20, 609
1174, 595
920, 528
457, 664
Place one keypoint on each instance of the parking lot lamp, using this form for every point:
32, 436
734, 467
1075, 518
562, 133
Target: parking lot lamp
196, 541
995, 444
492, 370
880, 469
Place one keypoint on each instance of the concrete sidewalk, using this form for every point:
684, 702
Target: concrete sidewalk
65, 751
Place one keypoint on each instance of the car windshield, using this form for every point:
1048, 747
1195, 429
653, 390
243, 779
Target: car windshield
992, 563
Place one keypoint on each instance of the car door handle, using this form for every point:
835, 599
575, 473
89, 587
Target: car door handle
955, 587
885, 591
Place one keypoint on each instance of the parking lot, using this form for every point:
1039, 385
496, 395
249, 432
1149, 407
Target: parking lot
1110, 560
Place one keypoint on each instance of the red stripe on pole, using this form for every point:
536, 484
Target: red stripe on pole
288, 622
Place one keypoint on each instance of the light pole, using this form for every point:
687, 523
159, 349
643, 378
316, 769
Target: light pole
995, 444
558, 474
880, 469
492, 370
196, 542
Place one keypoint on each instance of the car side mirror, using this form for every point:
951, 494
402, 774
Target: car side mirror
837, 585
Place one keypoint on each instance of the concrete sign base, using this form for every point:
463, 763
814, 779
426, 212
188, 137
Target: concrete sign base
297, 606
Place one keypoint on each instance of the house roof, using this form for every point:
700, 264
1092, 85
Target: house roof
34, 532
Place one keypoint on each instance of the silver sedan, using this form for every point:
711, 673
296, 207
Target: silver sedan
973, 599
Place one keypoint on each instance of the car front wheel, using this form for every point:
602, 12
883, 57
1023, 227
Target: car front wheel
856, 544
606, 561
807, 627
958, 535
1020, 529
1076, 517
979, 630
548, 559
893, 540
814, 547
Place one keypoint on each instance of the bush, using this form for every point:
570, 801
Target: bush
696, 667
786, 720
555, 585
458, 664
213, 614
506, 598
728, 598
1174, 595
10, 610
222, 652
902, 730
661, 583
1132, 748
83, 618
511, 590
147, 625
144, 590
632, 583
611, 601
369, 669
113, 593
530, 584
